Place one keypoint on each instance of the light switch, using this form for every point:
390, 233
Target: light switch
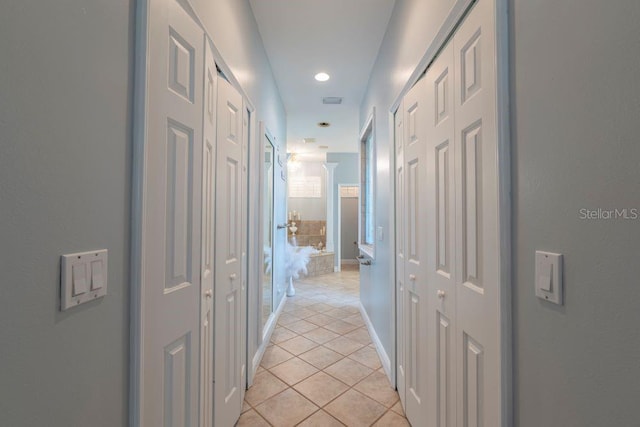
380, 234
548, 280
79, 272
97, 279
83, 277
544, 280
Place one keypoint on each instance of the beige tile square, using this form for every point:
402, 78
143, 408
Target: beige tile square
251, 419
343, 345
348, 371
338, 313
293, 370
340, 327
286, 409
321, 388
321, 419
265, 385
273, 356
302, 312
367, 356
355, 409
397, 408
298, 345
281, 334
391, 419
356, 319
303, 302
320, 319
361, 335
245, 406
351, 309
320, 307
287, 318
321, 335
321, 357
377, 387
301, 326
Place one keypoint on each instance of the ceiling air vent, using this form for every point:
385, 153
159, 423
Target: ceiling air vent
323, 147
332, 100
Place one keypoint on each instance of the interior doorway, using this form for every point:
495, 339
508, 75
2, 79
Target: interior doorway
347, 247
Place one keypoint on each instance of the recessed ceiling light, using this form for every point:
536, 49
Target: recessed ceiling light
309, 140
322, 77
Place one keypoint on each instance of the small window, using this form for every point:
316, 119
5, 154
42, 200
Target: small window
367, 180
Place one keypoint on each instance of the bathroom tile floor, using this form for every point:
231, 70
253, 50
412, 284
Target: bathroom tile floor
321, 368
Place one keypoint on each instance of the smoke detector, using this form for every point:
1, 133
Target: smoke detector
332, 100
324, 124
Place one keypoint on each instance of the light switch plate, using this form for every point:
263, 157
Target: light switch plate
380, 232
83, 277
548, 280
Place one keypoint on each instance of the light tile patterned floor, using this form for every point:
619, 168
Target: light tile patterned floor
321, 368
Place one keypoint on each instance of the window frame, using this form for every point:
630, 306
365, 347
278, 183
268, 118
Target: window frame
367, 136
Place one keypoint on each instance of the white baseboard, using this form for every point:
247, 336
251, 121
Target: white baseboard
384, 357
266, 338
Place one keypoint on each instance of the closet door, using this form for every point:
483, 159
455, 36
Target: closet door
229, 301
416, 235
477, 263
401, 297
208, 246
440, 219
171, 287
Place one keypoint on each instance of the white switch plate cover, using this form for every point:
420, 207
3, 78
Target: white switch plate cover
90, 270
548, 279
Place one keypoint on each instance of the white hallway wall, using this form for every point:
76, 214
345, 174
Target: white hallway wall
66, 87
575, 103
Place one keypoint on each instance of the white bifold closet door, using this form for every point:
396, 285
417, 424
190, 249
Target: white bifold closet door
208, 243
414, 282
171, 220
449, 355
440, 217
230, 296
477, 244
401, 372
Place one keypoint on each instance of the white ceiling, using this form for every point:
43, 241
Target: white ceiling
305, 37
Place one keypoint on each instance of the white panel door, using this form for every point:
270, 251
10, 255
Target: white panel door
401, 297
478, 247
415, 310
229, 246
172, 220
440, 217
245, 244
208, 246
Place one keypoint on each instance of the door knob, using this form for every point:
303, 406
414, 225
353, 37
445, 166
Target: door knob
232, 276
412, 277
208, 294
441, 294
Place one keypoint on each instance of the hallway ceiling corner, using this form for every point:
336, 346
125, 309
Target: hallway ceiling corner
305, 37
